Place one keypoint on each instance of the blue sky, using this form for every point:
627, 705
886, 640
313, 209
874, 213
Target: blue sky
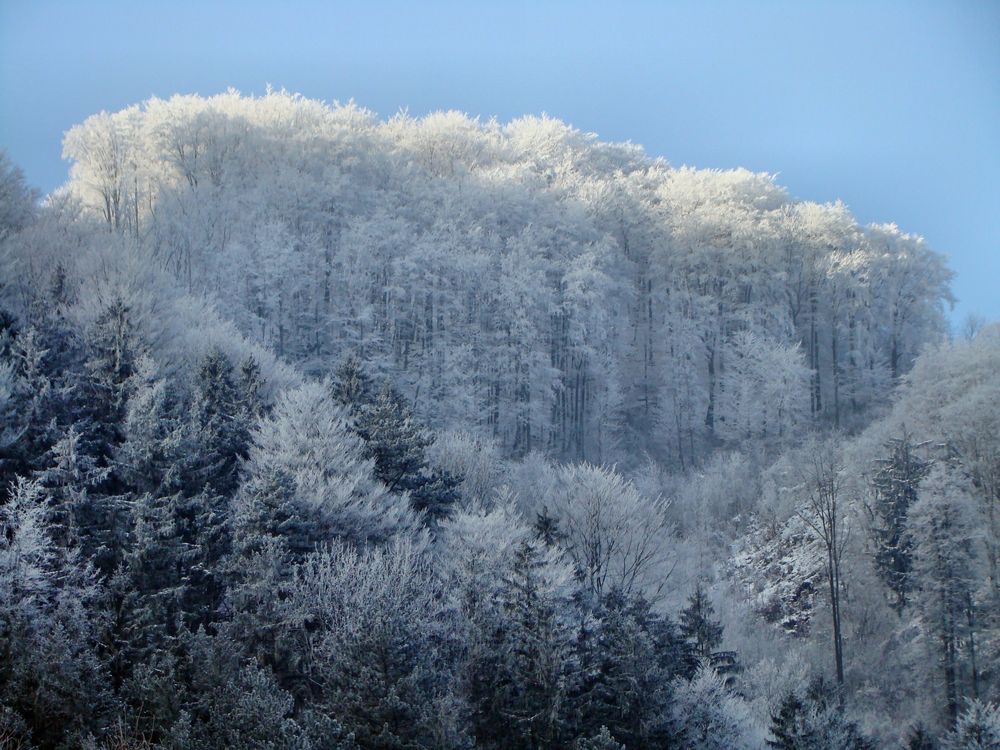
893, 107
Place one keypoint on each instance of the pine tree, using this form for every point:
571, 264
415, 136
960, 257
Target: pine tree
815, 721
271, 532
603, 740
83, 514
206, 531
628, 656
703, 634
920, 738
37, 400
547, 528
251, 385
50, 620
70, 475
395, 440
790, 727
894, 489
152, 457
977, 728
155, 577
221, 424
698, 626
398, 445
352, 387
113, 354
10, 406
518, 683
228, 702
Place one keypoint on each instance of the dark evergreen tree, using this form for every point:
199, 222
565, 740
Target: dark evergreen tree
42, 374
394, 440
816, 721
51, 676
68, 479
920, 738
603, 740
790, 726
547, 528
205, 530
894, 489
10, 407
269, 535
265, 509
352, 386
703, 634
398, 444
628, 656
251, 385
228, 703
155, 578
153, 457
698, 624
977, 727
221, 419
112, 355
518, 682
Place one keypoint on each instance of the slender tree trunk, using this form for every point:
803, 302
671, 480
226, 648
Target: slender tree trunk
948, 651
838, 643
971, 616
817, 390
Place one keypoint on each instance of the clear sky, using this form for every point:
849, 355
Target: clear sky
893, 107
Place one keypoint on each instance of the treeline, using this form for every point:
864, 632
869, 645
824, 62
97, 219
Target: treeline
527, 280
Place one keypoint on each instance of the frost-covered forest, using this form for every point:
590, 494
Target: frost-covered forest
324, 431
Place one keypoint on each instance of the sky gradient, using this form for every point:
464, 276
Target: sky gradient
893, 107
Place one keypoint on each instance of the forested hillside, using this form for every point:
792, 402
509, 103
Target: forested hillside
525, 280
324, 431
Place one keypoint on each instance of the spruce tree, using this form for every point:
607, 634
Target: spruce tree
894, 489
398, 444
395, 440
816, 720
69, 477
920, 738
352, 386
977, 727
221, 422
113, 353
627, 657
702, 633
790, 728
156, 577
251, 384
518, 681
698, 624
603, 740
547, 529
40, 400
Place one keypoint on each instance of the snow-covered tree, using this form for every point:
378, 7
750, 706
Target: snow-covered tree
306, 452
943, 528
617, 538
894, 488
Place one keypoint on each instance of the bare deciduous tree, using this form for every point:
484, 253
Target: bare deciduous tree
823, 511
